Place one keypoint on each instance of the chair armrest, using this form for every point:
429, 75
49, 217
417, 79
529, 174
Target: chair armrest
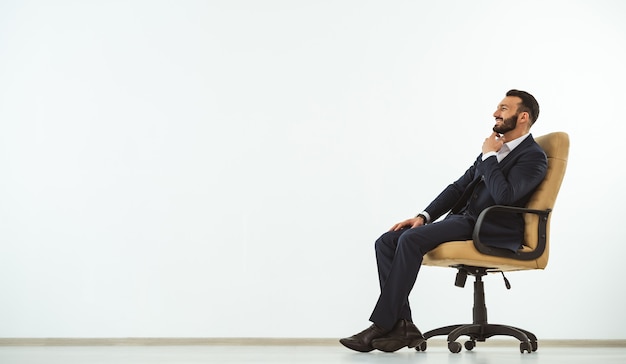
542, 227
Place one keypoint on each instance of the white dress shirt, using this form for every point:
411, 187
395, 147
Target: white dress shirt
506, 148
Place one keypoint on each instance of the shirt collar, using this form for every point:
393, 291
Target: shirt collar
515, 142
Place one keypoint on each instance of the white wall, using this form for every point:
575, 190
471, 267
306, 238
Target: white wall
222, 168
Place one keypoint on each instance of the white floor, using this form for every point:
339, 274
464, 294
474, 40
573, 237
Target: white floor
276, 354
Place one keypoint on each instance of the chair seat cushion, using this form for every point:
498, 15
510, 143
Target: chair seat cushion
463, 252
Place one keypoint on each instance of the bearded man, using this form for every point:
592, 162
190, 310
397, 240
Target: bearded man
507, 172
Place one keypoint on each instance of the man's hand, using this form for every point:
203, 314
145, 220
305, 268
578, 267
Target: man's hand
493, 143
410, 223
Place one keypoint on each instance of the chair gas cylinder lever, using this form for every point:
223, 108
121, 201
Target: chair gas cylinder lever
506, 281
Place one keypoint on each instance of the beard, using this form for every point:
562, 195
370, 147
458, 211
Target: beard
507, 125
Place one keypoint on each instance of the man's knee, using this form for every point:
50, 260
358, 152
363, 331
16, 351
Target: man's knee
386, 241
411, 241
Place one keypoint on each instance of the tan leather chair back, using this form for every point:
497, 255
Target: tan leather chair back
556, 147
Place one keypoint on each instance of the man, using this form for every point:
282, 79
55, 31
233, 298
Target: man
507, 172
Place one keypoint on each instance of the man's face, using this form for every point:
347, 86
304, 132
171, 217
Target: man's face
506, 115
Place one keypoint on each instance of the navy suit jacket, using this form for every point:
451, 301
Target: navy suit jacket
510, 182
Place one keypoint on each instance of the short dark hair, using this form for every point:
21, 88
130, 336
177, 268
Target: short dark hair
529, 104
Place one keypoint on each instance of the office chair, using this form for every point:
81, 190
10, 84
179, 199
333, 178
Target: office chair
472, 257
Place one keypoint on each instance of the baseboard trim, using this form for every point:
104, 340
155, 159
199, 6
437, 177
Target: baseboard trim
163, 341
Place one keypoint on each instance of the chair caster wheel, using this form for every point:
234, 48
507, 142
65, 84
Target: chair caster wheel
533, 346
422, 346
454, 347
470, 344
525, 346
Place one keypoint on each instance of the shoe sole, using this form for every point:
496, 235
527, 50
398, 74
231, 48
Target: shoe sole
391, 345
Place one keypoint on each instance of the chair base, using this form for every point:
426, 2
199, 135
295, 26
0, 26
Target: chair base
479, 330
480, 333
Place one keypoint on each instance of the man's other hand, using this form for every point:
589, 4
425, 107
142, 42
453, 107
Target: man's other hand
408, 223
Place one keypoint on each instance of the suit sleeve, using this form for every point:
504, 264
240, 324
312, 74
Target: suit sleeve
451, 194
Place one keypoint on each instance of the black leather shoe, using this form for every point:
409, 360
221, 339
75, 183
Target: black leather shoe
405, 333
363, 340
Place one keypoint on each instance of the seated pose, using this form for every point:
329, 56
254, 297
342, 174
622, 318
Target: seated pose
507, 172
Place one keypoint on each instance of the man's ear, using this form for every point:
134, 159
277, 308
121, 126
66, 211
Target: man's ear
524, 117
